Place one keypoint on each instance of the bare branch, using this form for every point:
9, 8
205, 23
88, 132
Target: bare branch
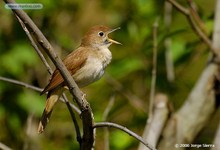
167, 43
194, 26
216, 32
188, 121
108, 108
104, 118
78, 135
28, 86
4, 147
196, 17
28, 132
153, 130
35, 46
154, 72
183, 10
216, 44
217, 139
87, 117
117, 126
21, 84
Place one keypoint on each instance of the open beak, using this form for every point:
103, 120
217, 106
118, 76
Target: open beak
113, 41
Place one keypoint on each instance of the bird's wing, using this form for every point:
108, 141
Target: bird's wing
73, 62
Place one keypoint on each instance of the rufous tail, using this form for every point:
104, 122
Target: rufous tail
52, 98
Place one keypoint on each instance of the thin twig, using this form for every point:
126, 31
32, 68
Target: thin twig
154, 71
167, 43
35, 46
29, 125
179, 7
194, 26
108, 108
201, 34
78, 135
28, 86
21, 83
110, 124
180, 127
87, 116
33, 43
74, 107
216, 33
104, 118
196, 17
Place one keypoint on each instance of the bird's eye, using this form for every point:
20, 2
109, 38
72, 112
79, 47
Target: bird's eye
101, 33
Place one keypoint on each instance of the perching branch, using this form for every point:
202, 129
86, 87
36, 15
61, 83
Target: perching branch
72, 106
36, 47
87, 117
110, 124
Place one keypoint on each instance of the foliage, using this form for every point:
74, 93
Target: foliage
63, 23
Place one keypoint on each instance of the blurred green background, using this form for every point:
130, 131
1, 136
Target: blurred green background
64, 23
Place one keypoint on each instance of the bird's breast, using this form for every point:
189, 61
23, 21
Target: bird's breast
91, 71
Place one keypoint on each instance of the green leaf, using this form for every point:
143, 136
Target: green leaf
19, 56
178, 49
126, 66
120, 140
32, 102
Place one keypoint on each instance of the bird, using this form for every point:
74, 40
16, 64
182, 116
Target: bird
86, 65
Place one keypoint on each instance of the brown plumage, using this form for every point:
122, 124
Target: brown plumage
86, 65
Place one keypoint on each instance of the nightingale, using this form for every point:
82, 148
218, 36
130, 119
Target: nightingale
86, 65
